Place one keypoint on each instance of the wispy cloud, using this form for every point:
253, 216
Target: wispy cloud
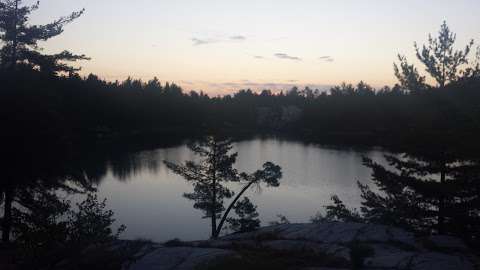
238, 38
187, 82
326, 58
198, 41
204, 41
258, 57
286, 56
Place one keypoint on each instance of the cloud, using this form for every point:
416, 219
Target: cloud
198, 41
286, 56
238, 38
258, 57
186, 82
292, 81
326, 58
204, 41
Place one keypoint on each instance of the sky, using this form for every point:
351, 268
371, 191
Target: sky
220, 46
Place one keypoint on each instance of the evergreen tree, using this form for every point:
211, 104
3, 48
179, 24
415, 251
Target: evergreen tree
269, 174
247, 217
408, 76
434, 182
442, 62
21, 39
430, 193
210, 175
337, 212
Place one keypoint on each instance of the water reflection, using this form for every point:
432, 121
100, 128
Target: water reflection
148, 198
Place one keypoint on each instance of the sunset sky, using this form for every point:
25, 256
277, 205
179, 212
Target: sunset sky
221, 46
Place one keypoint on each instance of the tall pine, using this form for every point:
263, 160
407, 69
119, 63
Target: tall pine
210, 175
20, 40
430, 192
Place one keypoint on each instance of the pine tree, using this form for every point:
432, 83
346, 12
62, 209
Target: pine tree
408, 76
430, 193
440, 58
210, 175
434, 183
21, 39
247, 217
442, 62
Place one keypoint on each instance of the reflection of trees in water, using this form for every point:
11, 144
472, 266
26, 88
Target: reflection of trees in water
124, 161
128, 165
34, 168
37, 165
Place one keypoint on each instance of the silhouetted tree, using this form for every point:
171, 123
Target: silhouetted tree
408, 76
212, 172
208, 176
429, 192
20, 40
56, 230
270, 175
247, 217
92, 222
442, 62
281, 220
337, 212
440, 58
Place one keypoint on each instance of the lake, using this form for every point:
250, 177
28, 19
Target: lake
147, 197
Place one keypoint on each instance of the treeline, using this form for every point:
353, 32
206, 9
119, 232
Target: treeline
42, 94
96, 109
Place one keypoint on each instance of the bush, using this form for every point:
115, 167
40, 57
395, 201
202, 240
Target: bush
50, 231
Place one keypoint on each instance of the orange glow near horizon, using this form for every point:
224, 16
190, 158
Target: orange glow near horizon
222, 46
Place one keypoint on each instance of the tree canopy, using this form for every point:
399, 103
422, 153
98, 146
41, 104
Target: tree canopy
210, 176
21, 40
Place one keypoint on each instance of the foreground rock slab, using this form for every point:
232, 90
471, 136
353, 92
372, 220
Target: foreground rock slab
332, 245
179, 258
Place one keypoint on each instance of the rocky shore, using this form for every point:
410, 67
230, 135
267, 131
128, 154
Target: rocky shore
332, 245
309, 246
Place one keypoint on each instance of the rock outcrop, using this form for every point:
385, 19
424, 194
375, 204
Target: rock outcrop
333, 245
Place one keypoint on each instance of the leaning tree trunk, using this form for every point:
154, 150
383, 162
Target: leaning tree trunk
225, 215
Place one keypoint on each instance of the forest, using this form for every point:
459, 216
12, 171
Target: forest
94, 109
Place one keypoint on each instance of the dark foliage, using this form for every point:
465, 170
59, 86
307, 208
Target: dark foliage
91, 109
210, 176
53, 231
433, 185
246, 219
20, 40
426, 194
338, 212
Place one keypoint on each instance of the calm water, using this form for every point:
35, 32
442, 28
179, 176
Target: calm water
147, 197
